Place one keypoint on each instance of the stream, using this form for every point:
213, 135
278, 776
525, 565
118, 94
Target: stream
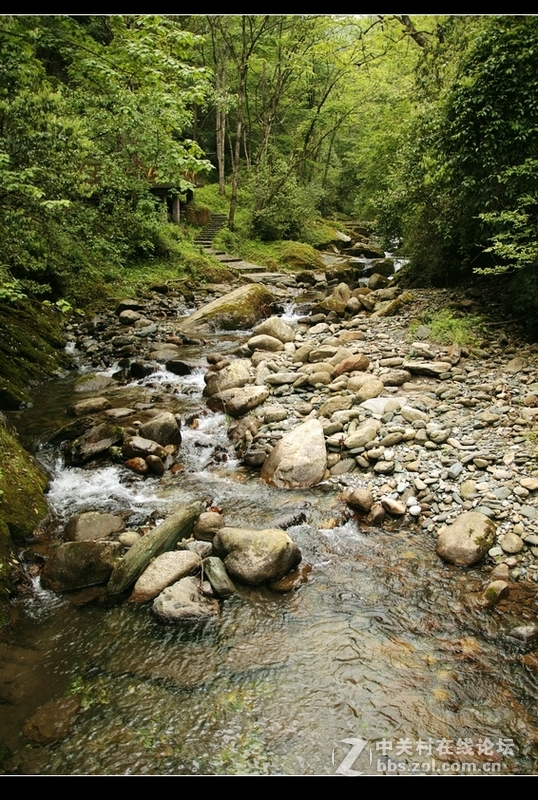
376, 665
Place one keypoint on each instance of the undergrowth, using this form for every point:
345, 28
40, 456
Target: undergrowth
447, 328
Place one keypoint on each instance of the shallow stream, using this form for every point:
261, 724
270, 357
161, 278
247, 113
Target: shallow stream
380, 663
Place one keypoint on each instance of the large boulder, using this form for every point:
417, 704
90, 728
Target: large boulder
299, 459
240, 309
467, 540
256, 556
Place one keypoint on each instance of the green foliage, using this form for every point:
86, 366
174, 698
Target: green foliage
448, 328
283, 208
92, 112
465, 194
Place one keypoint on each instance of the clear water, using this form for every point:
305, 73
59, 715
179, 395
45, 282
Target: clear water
382, 645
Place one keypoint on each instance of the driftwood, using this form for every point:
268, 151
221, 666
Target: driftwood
163, 538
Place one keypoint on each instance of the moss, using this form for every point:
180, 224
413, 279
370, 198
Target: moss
237, 310
22, 482
22, 507
6, 556
31, 349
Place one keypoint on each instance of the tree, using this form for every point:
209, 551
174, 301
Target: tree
92, 112
469, 175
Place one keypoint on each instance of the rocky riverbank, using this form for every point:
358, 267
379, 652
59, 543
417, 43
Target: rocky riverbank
343, 395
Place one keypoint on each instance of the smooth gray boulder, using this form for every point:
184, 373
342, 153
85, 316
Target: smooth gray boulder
299, 460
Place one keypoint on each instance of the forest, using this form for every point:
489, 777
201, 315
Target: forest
427, 127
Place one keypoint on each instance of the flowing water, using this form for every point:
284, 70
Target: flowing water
379, 664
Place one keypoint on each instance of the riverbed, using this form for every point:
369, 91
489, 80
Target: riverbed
378, 663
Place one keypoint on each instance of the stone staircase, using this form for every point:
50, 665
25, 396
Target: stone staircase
253, 272
209, 231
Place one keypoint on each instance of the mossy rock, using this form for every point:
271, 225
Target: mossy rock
22, 507
31, 349
22, 483
6, 557
237, 310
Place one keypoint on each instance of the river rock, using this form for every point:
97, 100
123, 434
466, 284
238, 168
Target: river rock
217, 576
237, 402
494, 592
256, 556
240, 309
234, 375
138, 465
52, 722
139, 447
357, 362
183, 602
92, 525
368, 390
96, 441
163, 538
74, 565
93, 383
430, 368
361, 499
265, 342
467, 540
512, 543
299, 459
129, 304
178, 367
277, 328
162, 429
363, 435
208, 524
165, 569
155, 465
92, 405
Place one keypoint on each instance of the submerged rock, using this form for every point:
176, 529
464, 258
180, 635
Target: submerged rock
52, 722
